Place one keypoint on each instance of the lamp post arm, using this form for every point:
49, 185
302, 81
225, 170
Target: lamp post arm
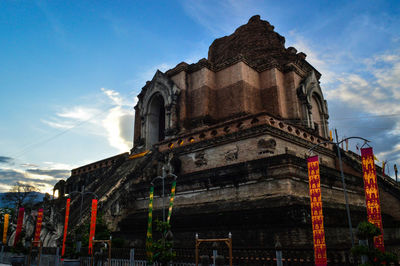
82, 194
345, 139
89, 192
337, 143
319, 144
172, 175
79, 192
155, 178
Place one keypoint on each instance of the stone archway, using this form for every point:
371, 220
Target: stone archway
318, 116
155, 127
158, 111
314, 107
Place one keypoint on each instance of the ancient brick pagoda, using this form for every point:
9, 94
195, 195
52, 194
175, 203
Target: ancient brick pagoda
235, 128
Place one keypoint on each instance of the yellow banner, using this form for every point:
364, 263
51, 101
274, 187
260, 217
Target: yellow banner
6, 220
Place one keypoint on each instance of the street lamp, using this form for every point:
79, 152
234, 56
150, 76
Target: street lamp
82, 194
163, 177
165, 235
337, 143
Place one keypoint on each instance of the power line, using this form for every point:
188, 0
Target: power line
46, 140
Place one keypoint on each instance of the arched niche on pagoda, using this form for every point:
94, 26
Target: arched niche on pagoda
158, 108
314, 107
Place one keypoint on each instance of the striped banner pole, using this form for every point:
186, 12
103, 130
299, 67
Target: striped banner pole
171, 200
149, 238
20, 222
39, 221
65, 226
6, 220
372, 194
316, 211
92, 225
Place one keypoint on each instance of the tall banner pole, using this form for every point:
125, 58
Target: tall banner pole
316, 211
6, 220
171, 201
20, 222
149, 237
372, 194
92, 225
39, 222
65, 226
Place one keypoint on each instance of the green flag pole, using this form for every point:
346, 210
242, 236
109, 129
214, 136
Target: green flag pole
171, 200
149, 238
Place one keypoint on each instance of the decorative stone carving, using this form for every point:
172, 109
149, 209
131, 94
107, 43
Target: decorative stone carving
199, 159
232, 155
266, 146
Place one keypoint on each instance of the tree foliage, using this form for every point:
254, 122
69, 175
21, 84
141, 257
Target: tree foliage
367, 231
162, 248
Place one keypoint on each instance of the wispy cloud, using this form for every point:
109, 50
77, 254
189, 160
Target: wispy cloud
54, 173
362, 93
6, 160
42, 179
79, 113
110, 123
220, 17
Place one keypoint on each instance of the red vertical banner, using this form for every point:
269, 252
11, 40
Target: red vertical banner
316, 211
39, 221
372, 194
65, 226
92, 225
20, 221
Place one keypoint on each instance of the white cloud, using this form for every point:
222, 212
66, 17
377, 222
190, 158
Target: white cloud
4, 187
318, 59
55, 165
80, 113
59, 125
114, 96
380, 93
364, 94
112, 124
94, 119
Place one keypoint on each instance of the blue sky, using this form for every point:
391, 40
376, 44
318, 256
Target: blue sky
70, 70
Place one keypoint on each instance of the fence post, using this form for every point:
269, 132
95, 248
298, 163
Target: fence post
2, 253
278, 251
132, 257
362, 242
57, 256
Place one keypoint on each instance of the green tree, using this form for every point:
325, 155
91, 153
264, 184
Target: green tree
162, 248
367, 231
19, 195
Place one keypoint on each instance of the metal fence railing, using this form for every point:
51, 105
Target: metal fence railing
186, 257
